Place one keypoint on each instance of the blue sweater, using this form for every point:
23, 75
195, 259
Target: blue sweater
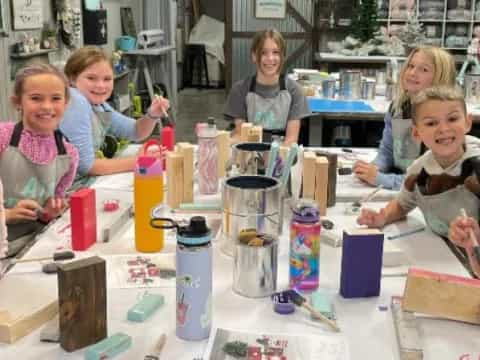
384, 159
77, 127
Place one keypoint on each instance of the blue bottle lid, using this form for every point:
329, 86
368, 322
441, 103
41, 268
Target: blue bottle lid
305, 211
195, 233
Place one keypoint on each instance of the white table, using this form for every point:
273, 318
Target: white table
368, 330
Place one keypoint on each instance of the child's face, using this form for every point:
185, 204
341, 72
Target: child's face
419, 73
96, 82
441, 126
42, 103
270, 59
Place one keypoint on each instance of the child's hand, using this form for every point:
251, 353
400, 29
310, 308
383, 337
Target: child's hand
159, 107
366, 172
24, 210
55, 207
459, 231
372, 218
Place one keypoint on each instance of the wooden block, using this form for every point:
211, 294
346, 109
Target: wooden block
223, 143
83, 217
25, 305
245, 130
82, 299
174, 180
332, 176
308, 175
321, 184
255, 134
187, 150
361, 267
447, 296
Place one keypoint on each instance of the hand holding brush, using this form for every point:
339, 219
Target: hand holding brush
299, 300
472, 237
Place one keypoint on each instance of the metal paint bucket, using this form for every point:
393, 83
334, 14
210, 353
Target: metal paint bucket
328, 88
249, 202
471, 87
368, 89
350, 84
251, 158
255, 269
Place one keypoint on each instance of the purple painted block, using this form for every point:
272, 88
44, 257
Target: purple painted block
361, 271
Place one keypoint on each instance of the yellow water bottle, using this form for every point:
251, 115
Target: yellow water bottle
148, 199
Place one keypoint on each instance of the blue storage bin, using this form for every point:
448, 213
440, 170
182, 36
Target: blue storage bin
126, 43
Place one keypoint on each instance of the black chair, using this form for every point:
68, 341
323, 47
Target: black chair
195, 62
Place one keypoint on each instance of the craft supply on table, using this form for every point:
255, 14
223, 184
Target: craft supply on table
299, 300
116, 220
272, 156
356, 205
51, 331
155, 354
408, 335
282, 304
208, 158
143, 309
322, 303
63, 255
304, 246
406, 233
201, 206
148, 197
83, 218
473, 239
109, 347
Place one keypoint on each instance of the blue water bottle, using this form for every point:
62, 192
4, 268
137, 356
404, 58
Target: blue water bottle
194, 277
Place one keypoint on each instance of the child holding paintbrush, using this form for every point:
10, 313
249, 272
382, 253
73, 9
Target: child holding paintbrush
443, 179
465, 232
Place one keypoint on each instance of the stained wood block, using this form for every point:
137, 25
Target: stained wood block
245, 130
332, 177
321, 184
25, 304
255, 134
308, 175
82, 298
223, 143
447, 296
187, 150
361, 266
174, 180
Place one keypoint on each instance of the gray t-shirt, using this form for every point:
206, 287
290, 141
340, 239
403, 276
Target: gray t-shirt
236, 106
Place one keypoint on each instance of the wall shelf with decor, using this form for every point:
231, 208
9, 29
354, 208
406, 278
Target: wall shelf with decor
31, 54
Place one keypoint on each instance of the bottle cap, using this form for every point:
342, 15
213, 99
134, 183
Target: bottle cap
306, 211
195, 233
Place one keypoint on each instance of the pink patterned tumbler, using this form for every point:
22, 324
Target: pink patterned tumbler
208, 158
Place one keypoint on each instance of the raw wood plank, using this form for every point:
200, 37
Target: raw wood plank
321, 184
223, 143
245, 130
20, 318
187, 150
255, 134
174, 180
308, 175
447, 296
82, 298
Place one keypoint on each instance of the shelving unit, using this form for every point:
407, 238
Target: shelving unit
447, 23
120, 98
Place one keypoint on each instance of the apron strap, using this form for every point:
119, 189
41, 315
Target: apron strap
59, 141
17, 132
281, 82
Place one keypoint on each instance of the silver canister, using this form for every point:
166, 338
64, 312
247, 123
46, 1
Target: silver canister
249, 202
251, 158
328, 88
471, 85
255, 269
350, 84
368, 89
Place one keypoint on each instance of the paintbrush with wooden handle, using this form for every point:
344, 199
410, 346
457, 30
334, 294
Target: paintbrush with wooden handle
299, 300
473, 238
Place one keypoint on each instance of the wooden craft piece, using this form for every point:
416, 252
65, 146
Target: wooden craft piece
223, 143
321, 184
255, 134
443, 295
187, 150
308, 174
83, 215
245, 131
332, 177
82, 298
25, 304
361, 267
174, 180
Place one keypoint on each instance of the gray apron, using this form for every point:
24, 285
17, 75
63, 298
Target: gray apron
101, 122
440, 209
269, 113
405, 148
31, 181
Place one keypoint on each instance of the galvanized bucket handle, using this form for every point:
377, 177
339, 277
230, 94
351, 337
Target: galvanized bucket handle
172, 223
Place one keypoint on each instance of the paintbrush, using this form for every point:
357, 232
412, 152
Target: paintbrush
63, 255
473, 238
299, 300
367, 198
155, 355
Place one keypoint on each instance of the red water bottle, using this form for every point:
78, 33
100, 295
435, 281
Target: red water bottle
168, 139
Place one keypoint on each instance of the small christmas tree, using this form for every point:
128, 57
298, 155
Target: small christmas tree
412, 33
365, 20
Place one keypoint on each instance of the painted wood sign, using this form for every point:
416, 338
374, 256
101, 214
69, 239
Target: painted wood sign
27, 14
270, 9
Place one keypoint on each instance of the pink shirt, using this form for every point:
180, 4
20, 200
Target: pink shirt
41, 150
